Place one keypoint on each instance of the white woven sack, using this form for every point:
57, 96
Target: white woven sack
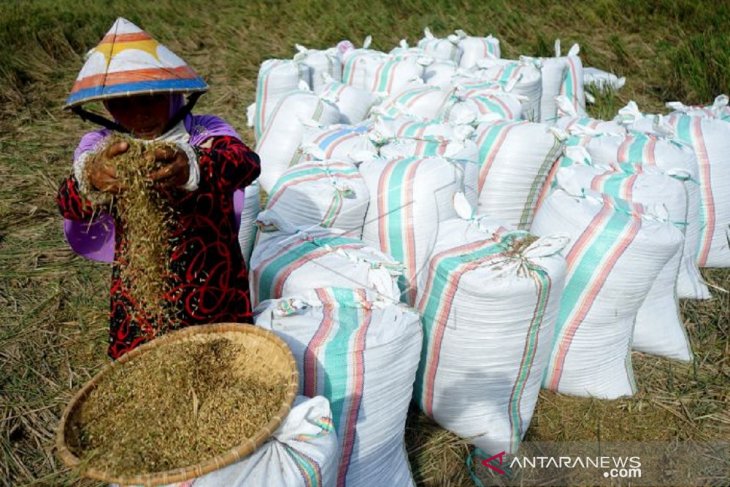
512, 171
411, 197
719, 109
353, 103
483, 107
561, 75
616, 253
520, 77
279, 145
380, 73
440, 73
488, 303
476, 48
446, 49
303, 451
676, 161
362, 354
330, 194
418, 101
349, 143
295, 259
659, 329
668, 155
277, 78
571, 121
247, 227
710, 138
324, 65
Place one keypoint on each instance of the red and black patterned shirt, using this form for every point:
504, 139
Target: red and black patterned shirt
210, 281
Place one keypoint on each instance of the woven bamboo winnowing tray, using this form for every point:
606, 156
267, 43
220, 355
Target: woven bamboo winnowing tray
272, 354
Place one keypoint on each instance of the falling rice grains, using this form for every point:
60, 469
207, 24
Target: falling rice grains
144, 215
185, 403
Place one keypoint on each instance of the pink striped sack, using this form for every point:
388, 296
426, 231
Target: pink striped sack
488, 303
324, 65
476, 48
659, 329
418, 101
303, 452
380, 73
562, 75
520, 77
710, 138
294, 259
353, 103
446, 49
279, 146
671, 156
410, 197
329, 194
348, 143
617, 250
361, 352
277, 78
515, 159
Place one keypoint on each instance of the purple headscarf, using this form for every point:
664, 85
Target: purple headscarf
95, 240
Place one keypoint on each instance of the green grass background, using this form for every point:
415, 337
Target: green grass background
53, 305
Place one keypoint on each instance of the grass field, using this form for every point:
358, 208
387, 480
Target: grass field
53, 305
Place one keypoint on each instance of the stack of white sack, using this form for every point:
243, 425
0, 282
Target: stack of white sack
279, 145
324, 65
361, 352
294, 260
329, 194
353, 103
512, 173
659, 329
488, 303
474, 49
617, 250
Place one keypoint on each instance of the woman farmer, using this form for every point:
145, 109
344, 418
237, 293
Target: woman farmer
142, 86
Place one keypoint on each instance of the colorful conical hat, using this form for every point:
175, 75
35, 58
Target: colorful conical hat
128, 61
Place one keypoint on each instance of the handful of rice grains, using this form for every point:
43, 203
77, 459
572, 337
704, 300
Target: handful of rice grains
145, 215
175, 406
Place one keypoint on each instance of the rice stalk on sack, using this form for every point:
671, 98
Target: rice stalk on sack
173, 407
145, 216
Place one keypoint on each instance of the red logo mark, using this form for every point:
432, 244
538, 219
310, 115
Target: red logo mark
500, 457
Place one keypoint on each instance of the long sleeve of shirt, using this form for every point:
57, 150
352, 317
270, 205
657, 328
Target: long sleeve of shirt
227, 165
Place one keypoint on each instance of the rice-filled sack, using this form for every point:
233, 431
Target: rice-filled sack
417, 101
411, 196
247, 227
350, 143
710, 138
561, 75
353, 103
277, 78
476, 106
380, 73
488, 303
302, 452
476, 48
280, 143
296, 259
520, 77
616, 252
361, 352
512, 172
446, 49
440, 73
659, 329
674, 158
329, 194
324, 65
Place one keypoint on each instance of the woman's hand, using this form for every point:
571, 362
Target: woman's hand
175, 170
102, 175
